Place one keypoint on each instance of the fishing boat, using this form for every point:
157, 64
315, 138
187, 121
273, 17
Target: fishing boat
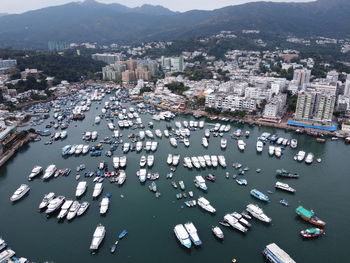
284, 187
309, 216
20, 193
286, 174
258, 213
182, 235
312, 232
47, 198
259, 195
217, 232
192, 231
97, 238
83, 207
35, 172
205, 204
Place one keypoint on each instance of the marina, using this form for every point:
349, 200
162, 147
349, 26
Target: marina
129, 197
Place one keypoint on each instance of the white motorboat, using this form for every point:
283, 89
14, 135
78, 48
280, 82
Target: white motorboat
218, 232
47, 198
201, 124
81, 188
188, 162
139, 145
83, 207
122, 162
148, 146
176, 159
173, 142
214, 160
97, 238
294, 143
258, 213
116, 162
142, 135
126, 147
207, 133
169, 160
150, 160
154, 146
143, 161
309, 158
73, 210
158, 133
223, 143
195, 162
97, 119
49, 172
241, 145
149, 134
241, 219
35, 172
110, 126
104, 205
63, 135
271, 150
182, 235
65, 209
259, 146
94, 135
207, 160
200, 182
86, 149
20, 192
284, 187
72, 149
205, 142
79, 149
278, 151
201, 161
205, 204
142, 173
186, 142
97, 190
222, 160
192, 231
217, 127
121, 177
55, 204
301, 156
166, 133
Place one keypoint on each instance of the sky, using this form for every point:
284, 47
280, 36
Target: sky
20, 6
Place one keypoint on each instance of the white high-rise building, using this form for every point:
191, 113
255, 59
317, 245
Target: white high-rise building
347, 86
302, 76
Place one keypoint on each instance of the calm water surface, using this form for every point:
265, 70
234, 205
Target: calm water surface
150, 221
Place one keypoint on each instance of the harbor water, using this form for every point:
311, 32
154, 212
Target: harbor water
323, 187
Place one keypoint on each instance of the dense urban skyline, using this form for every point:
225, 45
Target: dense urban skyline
18, 6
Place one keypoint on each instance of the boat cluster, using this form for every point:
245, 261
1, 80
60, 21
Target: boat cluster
205, 161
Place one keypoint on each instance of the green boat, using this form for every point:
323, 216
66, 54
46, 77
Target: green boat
309, 216
286, 174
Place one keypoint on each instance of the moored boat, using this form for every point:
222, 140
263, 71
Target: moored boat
309, 216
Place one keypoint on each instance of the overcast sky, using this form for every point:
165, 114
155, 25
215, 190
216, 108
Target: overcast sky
20, 6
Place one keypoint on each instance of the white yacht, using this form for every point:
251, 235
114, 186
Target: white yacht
188, 162
205, 204
49, 172
176, 159
83, 207
55, 204
207, 160
214, 160
65, 209
150, 160
284, 187
116, 162
143, 161
20, 192
259, 146
35, 172
205, 142
301, 156
154, 146
235, 223
169, 160
223, 143
139, 146
97, 238
121, 177
173, 142
97, 190
47, 198
222, 161
200, 182
182, 236
73, 210
192, 231
104, 205
309, 158
271, 150
122, 162
258, 213
81, 188
241, 145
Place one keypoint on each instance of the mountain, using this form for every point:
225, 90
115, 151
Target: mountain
107, 23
